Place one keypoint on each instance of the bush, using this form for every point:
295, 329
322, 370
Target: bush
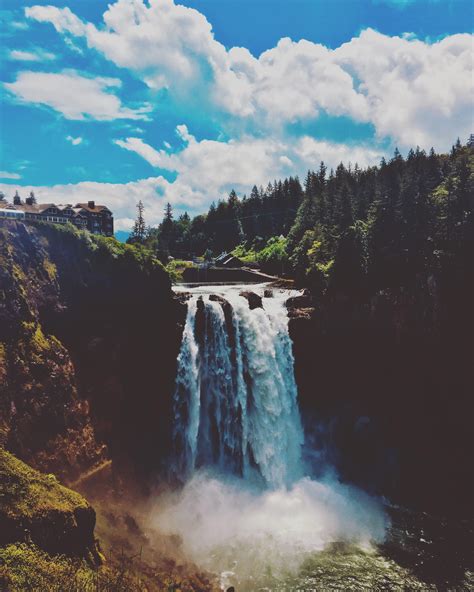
25, 567
273, 258
176, 267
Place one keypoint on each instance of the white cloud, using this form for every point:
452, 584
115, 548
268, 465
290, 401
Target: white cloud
62, 18
312, 151
410, 90
141, 148
35, 55
208, 170
75, 96
74, 141
416, 92
7, 175
248, 161
205, 171
19, 25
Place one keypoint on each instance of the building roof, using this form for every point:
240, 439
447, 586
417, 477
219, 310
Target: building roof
10, 209
78, 212
35, 208
230, 259
96, 209
79, 208
221, 257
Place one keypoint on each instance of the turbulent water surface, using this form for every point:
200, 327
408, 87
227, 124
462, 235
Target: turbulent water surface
236, 398
248, 510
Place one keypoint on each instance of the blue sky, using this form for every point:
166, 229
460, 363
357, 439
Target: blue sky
166, 101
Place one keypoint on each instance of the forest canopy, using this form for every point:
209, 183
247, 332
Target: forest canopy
385, 223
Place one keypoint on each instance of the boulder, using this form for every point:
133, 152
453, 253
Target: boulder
218, 298
254, 300
182, 297
200, 320
304, 300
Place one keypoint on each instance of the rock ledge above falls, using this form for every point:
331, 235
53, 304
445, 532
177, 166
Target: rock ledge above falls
301, 306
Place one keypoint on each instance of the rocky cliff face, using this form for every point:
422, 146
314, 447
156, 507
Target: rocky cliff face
384, 386
89, 335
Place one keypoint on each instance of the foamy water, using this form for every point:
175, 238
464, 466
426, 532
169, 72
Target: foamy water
246, 508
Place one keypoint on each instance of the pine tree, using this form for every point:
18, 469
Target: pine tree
17, 199
168, 213
31, 199
139, 229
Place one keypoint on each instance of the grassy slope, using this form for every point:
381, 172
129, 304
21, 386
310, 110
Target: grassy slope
29, 494
36, 511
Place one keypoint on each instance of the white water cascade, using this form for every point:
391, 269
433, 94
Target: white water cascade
236, 398
247, 511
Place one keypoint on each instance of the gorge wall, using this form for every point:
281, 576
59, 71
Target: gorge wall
385, 380
89, 336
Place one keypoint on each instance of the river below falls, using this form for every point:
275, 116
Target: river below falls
249, 510
420, 552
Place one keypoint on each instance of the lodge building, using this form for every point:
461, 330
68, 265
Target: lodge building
90, 216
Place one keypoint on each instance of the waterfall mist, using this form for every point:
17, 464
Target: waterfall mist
247, 534
247, 507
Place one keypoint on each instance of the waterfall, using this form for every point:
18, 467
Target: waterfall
235, 402
247, 511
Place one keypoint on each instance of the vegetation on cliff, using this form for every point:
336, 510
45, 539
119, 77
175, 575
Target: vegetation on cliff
88, 328
378, 226
47, 542
39, 516
36, 508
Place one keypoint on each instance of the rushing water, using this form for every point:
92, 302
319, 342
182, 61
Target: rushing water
236, 397
247, 509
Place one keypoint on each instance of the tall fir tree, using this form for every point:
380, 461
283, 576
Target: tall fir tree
139, 229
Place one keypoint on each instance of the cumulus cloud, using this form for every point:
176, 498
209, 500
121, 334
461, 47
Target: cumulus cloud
7, 175
311, 151
34, 55
410, 90
208, 169
416, 92
247, 161
141, 148
205, 171
62, 19
74, 141
74, 96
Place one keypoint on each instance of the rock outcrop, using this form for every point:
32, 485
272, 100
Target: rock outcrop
36, 509
254, 300
89, 336
378, 375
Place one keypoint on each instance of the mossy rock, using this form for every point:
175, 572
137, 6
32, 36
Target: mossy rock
36, 508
